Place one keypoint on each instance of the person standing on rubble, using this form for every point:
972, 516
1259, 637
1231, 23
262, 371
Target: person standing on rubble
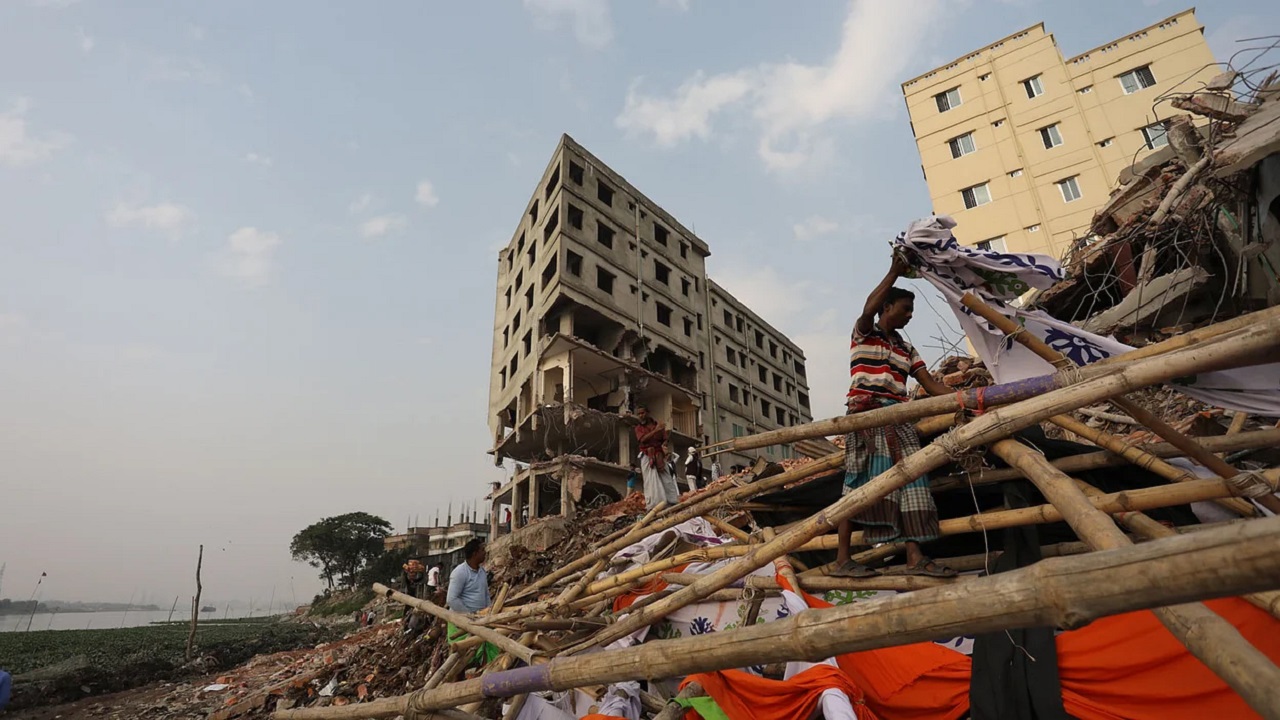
693, 468
469, 593
433, 580
880, 361
659, 483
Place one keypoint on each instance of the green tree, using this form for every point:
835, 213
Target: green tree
341, 546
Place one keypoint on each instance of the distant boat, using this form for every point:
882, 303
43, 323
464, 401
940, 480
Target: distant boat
208, 608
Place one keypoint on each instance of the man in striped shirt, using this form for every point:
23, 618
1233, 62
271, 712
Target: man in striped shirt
880, 362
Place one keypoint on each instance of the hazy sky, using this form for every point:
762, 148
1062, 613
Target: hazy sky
248, 249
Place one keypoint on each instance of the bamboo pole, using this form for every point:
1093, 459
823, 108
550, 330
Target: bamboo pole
1096, 460
1214, 641
1063, 592
727, 529
838, 425
463, 622
1193, 450
825, 583
1226, 351
1145, 460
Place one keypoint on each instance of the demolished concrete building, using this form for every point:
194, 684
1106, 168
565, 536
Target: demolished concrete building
603, 303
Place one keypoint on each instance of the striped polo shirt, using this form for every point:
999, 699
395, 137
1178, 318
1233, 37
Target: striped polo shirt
880, 363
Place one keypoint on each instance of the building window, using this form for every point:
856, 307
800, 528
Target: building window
976, 195
503, 375
1050, 136
549, 272
730, 355
738, 430
688, 327
506, 337
759, 339
573, 263
763, 372
519, 280
552, 223
660, 234
528, 298
804, 400
661, 273
799, 366
733, 395
948, 100
728, 319
664, 314
520, 244
553, 183
1107, 142
575, 172
984, 77
515, 365
528, 342
777, 382
533, 212
684, 287
765, 407
684, 250
781, 415
1086, 90
739, 323
995, 244
1155, 135
998, 123
532, 254
742, 360
604, 280
699, 321
1033, 87
605, 193
1015, 173
773, 349
962, 145
575, 217
508, 297
1137, 79
1069, 188
604, 235
1033, 228
515, 322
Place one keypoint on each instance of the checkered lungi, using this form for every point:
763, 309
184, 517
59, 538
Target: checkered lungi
907, 513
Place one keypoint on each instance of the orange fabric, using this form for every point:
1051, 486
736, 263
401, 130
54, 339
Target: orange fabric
743, 696
657, 584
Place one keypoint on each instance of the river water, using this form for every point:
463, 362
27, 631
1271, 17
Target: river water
94, 620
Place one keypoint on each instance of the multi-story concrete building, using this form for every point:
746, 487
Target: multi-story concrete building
1022, 145
603, 304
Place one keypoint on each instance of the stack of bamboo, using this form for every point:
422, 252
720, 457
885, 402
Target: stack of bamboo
548, 625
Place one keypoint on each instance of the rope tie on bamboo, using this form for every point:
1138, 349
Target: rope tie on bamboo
1009, 340
950, 445
1251, 484
1066, 376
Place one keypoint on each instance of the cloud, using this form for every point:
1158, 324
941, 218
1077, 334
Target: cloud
687, 113
165, 218
813, 227
381, 225
254, 158
793, 105
362, 203
590, 19
249, 254
426, 194
17, 146
681, 5
779, 301
86, 41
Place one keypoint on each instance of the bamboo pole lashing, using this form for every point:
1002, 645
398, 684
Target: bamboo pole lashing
1246, 346
1167, 432
1065, 592
1207, 636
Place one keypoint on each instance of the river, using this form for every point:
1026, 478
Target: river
94, 620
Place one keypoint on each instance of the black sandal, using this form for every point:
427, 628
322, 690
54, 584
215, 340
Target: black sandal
852, 569
929, 568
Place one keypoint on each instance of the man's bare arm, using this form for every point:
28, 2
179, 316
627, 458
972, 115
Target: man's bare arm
867, 320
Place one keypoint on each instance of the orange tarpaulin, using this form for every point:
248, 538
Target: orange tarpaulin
744, 696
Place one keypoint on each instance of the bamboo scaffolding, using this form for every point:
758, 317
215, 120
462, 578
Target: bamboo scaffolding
1207, 636
945, 406
1064, 592
1250, 345
825, 583
1190, 447
463, 622
1097, 460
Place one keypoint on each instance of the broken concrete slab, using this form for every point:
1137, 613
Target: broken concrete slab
1146, 301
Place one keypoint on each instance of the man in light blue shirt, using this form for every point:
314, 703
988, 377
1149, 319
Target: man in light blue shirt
469, 583
469, 593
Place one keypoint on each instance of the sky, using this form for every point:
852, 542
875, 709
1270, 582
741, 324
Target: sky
248, 250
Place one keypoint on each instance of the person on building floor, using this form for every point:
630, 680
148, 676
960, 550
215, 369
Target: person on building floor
659, 483
433, 580
715, 470
693, 468
469, 593
880, 361
414, 572
506, 519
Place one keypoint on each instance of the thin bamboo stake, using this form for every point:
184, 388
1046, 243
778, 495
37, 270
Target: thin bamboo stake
1063, 592
1237, 423
726, 528
825, 583
1230, 350
1207, 636
1097, 460
1145, 460
501, 598
1193, 450
463, 622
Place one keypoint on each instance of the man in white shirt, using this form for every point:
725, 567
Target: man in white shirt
433, 580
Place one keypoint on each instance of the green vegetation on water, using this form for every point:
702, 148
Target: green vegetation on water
56, 665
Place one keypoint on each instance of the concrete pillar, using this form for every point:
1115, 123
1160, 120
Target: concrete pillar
533, 497
516, 502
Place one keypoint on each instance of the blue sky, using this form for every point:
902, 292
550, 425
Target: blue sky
249, 249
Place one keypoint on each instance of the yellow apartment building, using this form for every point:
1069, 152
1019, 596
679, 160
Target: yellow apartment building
1021, 145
